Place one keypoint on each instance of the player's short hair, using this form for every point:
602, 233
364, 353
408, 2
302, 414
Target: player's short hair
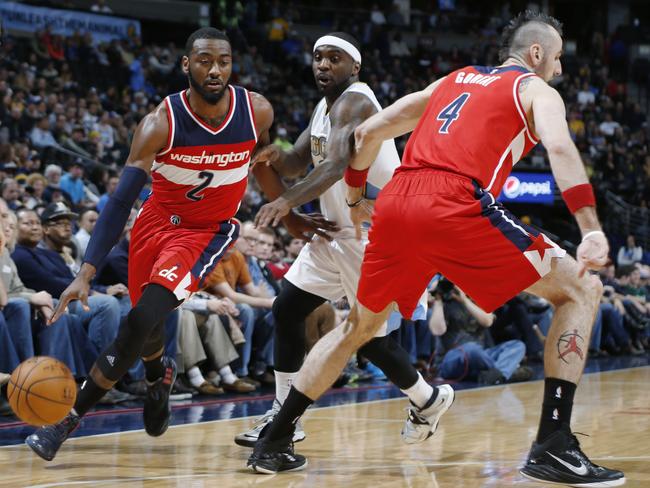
511, 43
204, 33
346, 37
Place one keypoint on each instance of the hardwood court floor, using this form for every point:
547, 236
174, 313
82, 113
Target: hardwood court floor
481, 442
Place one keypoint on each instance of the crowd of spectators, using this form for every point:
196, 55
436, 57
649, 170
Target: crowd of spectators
69, 107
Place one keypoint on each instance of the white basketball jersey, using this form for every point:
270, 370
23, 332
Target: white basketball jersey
332, 202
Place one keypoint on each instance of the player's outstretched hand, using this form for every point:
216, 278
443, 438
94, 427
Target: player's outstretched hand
592, 252
360, 214
77, 290
272, 212
270, 155
305, 227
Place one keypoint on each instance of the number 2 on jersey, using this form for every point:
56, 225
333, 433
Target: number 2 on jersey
193, 194
451, 112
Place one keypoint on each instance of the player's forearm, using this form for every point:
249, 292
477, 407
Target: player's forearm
568, 169
112, 220
315, 184
293, 164
587, 220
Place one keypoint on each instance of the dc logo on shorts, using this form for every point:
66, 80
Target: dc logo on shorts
175, 220
169, 273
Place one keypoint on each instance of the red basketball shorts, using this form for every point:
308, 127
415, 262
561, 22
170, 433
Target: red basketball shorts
427, 222
180, 259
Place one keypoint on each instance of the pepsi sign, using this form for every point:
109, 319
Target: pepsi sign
528, 188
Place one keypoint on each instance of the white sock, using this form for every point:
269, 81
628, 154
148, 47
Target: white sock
227, 376
283, 382
420, 392
195, 376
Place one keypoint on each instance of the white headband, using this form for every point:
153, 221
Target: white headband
341, 44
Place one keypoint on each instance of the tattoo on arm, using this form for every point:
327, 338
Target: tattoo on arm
523, 84
570, 342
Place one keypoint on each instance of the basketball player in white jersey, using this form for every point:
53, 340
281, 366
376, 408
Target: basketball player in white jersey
330, 269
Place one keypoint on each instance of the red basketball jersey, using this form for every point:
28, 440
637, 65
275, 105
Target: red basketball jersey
474, 125
200, 178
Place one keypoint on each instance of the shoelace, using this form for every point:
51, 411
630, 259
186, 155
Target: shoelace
574, 440
420, 419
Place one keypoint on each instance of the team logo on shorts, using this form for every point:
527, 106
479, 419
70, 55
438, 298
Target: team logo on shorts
169, 273
175, 220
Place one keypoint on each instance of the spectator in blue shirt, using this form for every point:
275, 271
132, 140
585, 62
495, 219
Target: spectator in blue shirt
72, 183
110, 188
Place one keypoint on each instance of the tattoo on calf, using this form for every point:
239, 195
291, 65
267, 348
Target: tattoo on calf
570, 342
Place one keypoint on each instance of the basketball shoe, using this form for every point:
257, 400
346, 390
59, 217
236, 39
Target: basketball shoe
47, 440
559, 459
270, 457
157, 410
421, 423
249, 438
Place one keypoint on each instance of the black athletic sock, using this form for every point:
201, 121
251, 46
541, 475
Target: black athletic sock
392, 359
88, 396
557, 406
292, 409
154, 369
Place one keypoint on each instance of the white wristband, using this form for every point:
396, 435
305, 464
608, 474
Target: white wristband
592, 233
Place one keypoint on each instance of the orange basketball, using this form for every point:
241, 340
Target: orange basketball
41, 390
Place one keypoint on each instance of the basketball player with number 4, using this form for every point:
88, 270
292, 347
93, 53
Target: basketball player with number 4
469, 129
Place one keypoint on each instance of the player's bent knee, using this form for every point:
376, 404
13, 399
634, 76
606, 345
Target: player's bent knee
358, 333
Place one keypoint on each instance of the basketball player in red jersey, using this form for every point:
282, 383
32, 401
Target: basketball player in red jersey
470, 128
197, 145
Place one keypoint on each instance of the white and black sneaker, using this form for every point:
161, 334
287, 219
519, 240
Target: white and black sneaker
559, 460
271, 457
421, 423
249, 438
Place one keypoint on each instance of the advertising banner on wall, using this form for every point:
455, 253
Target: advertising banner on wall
528, 188
27, 18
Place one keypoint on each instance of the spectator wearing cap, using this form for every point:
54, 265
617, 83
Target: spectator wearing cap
41, 266
72, 183
65, 339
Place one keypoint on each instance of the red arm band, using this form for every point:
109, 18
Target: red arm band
356, 178
579, 196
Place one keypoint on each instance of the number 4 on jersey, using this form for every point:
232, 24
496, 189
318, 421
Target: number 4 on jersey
451, 112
